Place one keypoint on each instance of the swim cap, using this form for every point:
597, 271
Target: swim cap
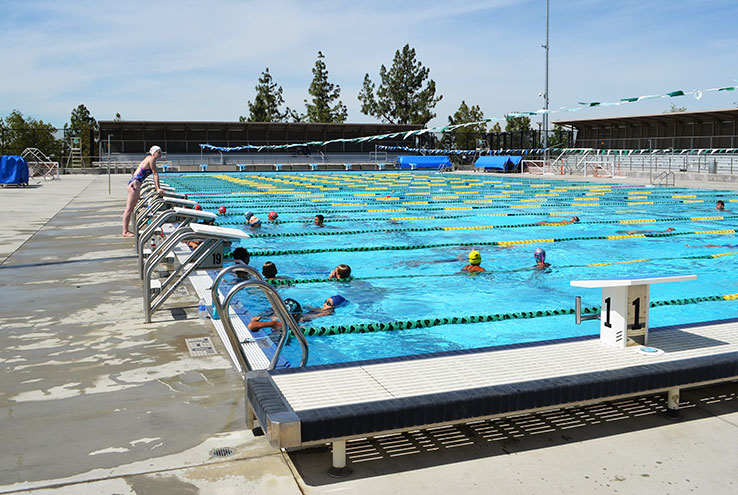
198, 207
475, 258
272, 215
154, 149
337, 300
248, 215
540, 255
294, 308
221, 209
254, 221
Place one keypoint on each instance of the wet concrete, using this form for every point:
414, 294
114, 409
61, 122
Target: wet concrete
89, 390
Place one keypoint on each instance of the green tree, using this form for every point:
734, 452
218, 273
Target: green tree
515, 124
559, 138
405, 95
265, 107
84, 126
675, 109
18, 133
322, 108
466, 137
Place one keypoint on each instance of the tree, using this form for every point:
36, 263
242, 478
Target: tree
84, 126
18, 133
675, 109
560, 137
403, 97
324, 94
516, 124
466, 137
265, 107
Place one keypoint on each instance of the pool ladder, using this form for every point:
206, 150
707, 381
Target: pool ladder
280, 310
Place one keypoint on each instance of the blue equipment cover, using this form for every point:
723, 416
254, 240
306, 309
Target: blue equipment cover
500, 162
420, 161
13, 170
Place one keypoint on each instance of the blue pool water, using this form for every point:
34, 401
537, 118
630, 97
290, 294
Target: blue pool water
385, 212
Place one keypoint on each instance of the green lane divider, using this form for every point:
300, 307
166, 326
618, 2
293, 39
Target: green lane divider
488, 243
291, 282
432, 322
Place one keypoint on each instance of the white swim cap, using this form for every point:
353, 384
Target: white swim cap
154, 149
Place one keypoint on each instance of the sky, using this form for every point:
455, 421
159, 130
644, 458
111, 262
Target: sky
190, 60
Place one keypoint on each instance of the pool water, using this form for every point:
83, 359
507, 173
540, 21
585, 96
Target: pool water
407, 235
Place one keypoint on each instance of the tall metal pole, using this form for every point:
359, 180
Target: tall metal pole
109, 163
545, 98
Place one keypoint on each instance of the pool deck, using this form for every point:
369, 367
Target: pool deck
95, 401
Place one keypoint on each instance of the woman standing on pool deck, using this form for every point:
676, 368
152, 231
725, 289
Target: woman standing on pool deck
145, 168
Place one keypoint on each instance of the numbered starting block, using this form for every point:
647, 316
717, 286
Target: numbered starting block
625, 303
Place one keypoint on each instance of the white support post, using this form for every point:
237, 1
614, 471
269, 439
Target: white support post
672, 402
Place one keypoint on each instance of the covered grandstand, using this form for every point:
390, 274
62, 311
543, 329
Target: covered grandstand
678, 130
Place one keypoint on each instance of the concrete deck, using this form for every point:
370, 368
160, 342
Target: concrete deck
95, 401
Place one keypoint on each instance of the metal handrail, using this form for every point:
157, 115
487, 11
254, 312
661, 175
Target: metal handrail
276, 302
663, 179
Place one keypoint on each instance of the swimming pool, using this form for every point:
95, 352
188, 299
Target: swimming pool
406, 236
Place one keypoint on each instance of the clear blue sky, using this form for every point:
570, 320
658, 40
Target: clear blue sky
192, 60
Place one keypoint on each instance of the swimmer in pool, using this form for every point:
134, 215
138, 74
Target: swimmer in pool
731, 246
341, 272
475, 261
318, 220
720, 205
328, 308
670, 229
293, 307
540, 257
560, 222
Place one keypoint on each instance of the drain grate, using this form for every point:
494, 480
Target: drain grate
200, 346
222, 452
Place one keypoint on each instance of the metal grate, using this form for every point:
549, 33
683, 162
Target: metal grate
200, 346
222, 452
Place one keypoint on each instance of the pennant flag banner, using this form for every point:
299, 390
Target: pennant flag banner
450, 128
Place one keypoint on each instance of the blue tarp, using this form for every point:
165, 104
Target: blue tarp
13, 170
499, 162
420, 161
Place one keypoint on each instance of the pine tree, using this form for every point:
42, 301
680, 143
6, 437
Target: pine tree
324, 94
84, 126
18, 133
404, 96
466, 137
265, 107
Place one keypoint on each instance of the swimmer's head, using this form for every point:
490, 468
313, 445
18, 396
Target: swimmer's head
334, 302
318, 220
540, 255
574, 219
269, 270
720, 205
294, 308
154, 149
241, 254
475, 258
670, 229
343, 271
248, 215
254, 221
272, 215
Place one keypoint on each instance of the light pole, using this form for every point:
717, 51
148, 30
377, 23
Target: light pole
545, 100
109, 163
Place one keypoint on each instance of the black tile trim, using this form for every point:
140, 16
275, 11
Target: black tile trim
404, 413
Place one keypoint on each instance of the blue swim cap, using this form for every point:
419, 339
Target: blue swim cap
337, 300
540, 255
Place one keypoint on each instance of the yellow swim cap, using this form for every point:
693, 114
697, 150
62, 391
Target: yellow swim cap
475, 258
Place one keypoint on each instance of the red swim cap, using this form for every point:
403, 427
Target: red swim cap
272, 215
222, 210
198, 207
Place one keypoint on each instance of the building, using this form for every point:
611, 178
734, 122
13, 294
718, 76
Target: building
679, 130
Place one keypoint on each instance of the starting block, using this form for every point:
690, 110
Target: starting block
625, 303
